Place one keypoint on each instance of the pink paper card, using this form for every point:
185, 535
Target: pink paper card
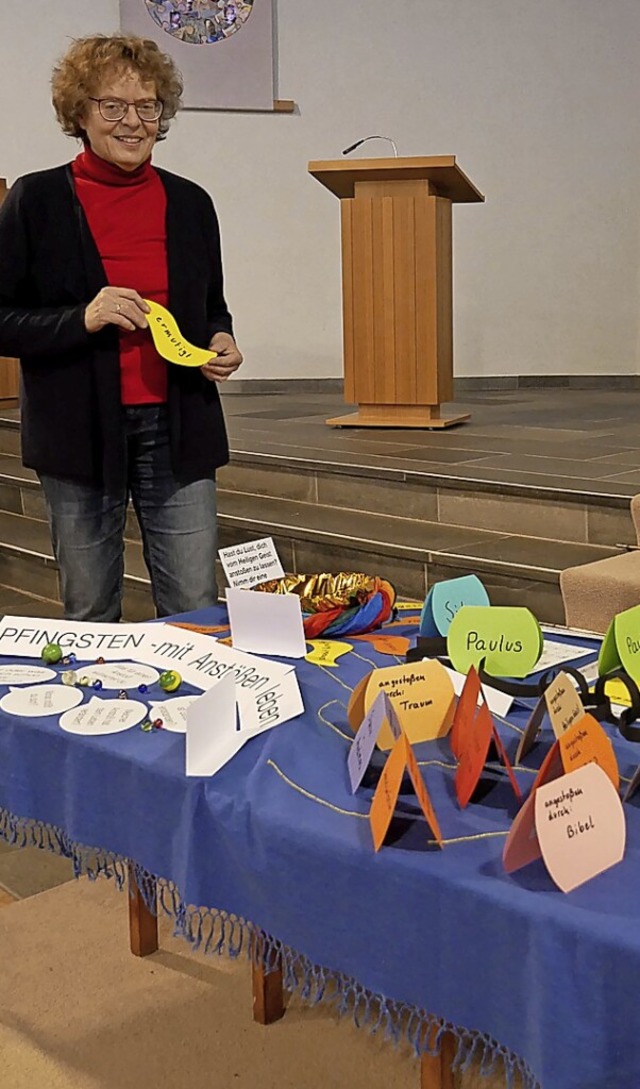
633, 785
364, 742
551, 767
521, 846
580, 825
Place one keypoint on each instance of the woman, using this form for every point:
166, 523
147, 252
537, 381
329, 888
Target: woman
103, 416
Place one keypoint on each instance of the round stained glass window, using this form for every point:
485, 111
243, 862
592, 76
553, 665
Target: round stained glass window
200, 22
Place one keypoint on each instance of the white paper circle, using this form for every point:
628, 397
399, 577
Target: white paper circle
97, 717
119, 675
25, 674
173, 713
44, 699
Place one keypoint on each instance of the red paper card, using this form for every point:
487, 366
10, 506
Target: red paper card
473, 756
465, 712
504, 760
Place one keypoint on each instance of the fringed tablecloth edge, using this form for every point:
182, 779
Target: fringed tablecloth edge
214, 931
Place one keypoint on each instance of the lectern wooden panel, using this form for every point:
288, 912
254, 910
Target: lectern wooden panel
397, 287
9, 368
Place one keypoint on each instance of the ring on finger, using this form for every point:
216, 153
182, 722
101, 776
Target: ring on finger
118, 308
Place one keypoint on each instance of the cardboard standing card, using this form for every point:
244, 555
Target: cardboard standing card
212, 734
531, 730
381, 712
355, 707
586, 741
632, 786
266, 623
422, 696
580, 825
445, 599
508, 640
564, 705
551, 767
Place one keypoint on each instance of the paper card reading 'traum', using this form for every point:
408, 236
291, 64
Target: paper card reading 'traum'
422, 696
266, 623
386, 795
586, 741
363, 744
580, 826
564, 705
249, 564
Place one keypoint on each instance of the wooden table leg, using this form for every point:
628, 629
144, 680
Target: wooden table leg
268, 994
143, 924
436, 1071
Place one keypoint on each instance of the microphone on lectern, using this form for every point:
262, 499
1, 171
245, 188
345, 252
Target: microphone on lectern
352, 147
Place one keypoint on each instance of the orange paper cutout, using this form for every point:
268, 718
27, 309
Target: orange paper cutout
465, 712
356, 708
203, 629
586, 742
506, 763
385, 798
387, 644
473, 755
386, 794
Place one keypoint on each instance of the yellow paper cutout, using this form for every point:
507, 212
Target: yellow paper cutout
326, 651
170, 342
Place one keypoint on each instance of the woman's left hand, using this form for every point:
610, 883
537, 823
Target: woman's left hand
228, 358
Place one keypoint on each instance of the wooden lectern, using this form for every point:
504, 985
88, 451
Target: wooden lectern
9, 368
397, 286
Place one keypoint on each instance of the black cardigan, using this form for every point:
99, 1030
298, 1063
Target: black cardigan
50, 270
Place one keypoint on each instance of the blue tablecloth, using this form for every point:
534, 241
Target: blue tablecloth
276, 841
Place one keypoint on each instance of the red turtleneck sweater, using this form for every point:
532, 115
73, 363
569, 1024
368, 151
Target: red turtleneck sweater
126, 215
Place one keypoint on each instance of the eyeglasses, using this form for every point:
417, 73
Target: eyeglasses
115, 109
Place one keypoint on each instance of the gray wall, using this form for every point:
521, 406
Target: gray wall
538, 99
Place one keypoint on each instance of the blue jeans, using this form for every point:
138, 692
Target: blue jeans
178, 524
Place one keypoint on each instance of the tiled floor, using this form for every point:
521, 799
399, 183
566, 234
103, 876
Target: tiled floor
567, 439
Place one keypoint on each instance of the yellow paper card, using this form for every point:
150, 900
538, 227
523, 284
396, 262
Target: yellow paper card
421, 694
169, 341
326, 652
356, 708
564, 705
507, 638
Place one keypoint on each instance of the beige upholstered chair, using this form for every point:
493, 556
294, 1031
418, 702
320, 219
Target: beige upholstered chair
594, 592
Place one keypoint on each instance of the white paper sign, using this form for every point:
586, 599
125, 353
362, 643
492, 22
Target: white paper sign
44, 699
24, 674
212, 733
99, 717
173, 713
120, 675
266, 623
555, 653
249, 564
267, 692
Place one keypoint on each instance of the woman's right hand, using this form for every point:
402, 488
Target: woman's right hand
119, 306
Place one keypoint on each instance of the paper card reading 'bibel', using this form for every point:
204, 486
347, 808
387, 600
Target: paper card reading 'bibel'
580, 825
